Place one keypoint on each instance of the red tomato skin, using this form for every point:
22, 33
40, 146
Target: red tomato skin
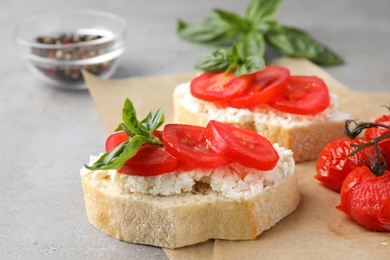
187, 143
150, 160
218, 87
264, 86
354, 177
385, 146
158, 133
241, 145
366, 200
306, 95
333, 165
116, 139
378, 131
384, 212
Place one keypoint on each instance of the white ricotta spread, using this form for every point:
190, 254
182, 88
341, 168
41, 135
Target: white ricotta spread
260, 115
233, 181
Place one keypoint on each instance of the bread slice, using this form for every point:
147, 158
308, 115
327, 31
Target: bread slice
231, 202
304, 135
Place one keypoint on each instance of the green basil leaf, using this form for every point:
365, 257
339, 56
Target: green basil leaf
235, 51
251, 43
236, 22
212, 31
118, 157
250, 65
216, 61
237, 58
131, 123
262, 12
231, 60
108, 157
234, 60
297, 43
139, 133
120, 127
154, 120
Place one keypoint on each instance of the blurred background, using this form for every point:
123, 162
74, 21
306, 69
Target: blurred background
358, 30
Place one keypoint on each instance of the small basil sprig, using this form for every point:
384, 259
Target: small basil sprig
259, 26
139, 132
230, 60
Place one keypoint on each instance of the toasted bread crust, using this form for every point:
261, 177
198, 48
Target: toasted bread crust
179, 220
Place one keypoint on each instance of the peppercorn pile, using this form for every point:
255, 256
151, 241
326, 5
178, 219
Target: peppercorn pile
71, 47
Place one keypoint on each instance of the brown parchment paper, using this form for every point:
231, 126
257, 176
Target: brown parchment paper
316, 230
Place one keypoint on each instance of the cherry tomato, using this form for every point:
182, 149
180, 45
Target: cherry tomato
218, 87
116, 139
150, 160
188, 144
264, 86
385, 147
378, 131
384, 213
119, 137
366, 199
305, 96
241, 145
333, 165
355, 176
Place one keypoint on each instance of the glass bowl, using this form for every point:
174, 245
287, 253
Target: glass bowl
58, 46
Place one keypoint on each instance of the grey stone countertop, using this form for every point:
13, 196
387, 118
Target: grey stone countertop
48, 134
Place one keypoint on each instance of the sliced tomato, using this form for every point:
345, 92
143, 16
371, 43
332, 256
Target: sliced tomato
241, 145
116, 139
365, 200
305, 95
378, 131
119, 137
218, 87
188, 144
264, 86
333, 163
150, 160
158, 133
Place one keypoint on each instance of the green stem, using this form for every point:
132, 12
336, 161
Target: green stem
368, 144
376, 165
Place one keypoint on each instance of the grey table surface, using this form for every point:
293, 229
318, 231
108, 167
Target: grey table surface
47, 134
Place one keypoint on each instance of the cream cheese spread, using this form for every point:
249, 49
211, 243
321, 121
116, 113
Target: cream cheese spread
232, 181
